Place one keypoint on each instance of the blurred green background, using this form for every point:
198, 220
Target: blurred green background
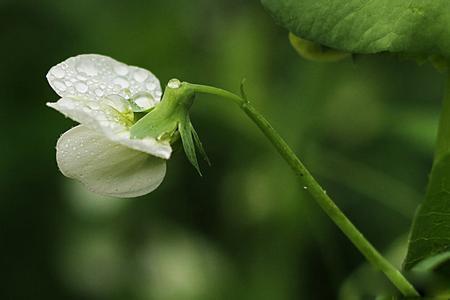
245, 230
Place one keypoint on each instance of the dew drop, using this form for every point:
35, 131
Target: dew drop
81, 77
117, 102
305, 187
174, 83
144, 100
58, 72
99, 92
81, 87
140, 75
59, 85
121, 69
122, 82
150, 86
87, 67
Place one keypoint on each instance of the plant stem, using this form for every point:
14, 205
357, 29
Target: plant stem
316, 191
443, 140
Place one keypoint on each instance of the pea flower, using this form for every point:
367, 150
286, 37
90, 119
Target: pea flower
107, 97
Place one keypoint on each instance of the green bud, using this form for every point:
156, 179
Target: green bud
315, 52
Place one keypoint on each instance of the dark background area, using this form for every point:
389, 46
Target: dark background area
246, 229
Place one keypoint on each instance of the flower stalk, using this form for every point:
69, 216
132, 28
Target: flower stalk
316, 191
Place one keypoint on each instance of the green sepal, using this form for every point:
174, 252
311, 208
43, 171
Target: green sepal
185, 129
169, 121
199, 145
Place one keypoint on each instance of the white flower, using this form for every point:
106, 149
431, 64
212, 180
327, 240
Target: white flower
103, 95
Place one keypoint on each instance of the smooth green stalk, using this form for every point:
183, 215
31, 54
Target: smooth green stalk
316, 191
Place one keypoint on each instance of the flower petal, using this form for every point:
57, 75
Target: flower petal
106, 120
95, 76
105, 167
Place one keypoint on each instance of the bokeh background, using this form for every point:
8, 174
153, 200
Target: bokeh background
246, 229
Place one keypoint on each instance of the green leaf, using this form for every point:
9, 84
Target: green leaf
433, 275
432, 262
431, 230
430, 236
417, 27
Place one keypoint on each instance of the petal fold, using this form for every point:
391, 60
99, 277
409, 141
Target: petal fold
107, 120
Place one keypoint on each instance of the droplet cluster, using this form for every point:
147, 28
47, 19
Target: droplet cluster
95, 76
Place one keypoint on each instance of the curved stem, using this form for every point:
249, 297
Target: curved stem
316, 191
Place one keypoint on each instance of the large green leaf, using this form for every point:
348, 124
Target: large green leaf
431, 231
430, 235
412, 27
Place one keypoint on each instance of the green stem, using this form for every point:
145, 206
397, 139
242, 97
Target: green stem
443, 140
316, 191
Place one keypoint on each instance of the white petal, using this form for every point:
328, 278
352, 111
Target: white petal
105, 167
108, 121
94, 76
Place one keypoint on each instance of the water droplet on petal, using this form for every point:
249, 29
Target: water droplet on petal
59, 85
121, 69
144, 100
81, 77
150, 86
140, 75
122, 82
81, 87
99, 92
174, 83
87, 67
58, 72
118, 103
